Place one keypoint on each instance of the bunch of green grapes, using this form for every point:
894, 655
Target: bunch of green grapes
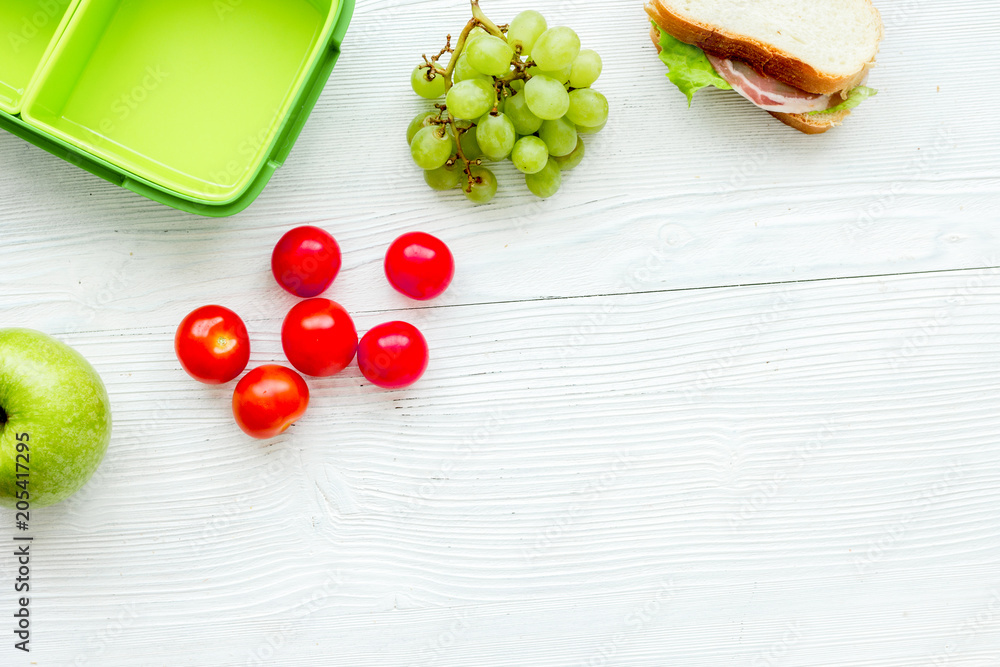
520, 92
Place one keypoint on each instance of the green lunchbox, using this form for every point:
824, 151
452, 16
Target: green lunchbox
192, 103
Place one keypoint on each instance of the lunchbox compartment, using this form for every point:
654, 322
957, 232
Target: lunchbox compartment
193, 96
28, 32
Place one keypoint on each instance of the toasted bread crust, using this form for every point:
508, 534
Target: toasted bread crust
809, 124
762, 57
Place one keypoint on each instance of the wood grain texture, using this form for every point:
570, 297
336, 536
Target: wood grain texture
729, 398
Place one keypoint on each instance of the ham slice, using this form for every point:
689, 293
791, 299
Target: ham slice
767, 93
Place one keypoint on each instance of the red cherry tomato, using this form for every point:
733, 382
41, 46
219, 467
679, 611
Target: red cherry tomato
305, 261
319, 337
268, 399
212, 344
393, 355
419, 265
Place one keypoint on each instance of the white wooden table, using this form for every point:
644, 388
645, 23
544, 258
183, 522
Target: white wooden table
732, 397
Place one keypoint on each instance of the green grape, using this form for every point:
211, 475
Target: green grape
496, 136
586, 68
587, 107
444, 178
517, 110
483, 187
475, 34
470, 99
567, 162
431, 147
464, 71
490, 55
555, 48
525, 29
498, 107
559, 135
419, 121
426, 83
546, 97
469, 144
561, 75
530, 154
582, 129
517, 85
545, 182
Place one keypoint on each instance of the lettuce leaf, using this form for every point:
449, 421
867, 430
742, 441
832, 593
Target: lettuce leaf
854, 98
689, 68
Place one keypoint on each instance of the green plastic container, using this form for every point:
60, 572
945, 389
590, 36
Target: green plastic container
192, 103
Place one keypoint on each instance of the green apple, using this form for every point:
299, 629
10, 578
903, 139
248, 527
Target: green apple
55, 418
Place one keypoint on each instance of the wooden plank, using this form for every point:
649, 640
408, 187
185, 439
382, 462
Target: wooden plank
717, 194
820, 454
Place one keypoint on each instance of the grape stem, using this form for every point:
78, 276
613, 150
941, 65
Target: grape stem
479, 18
520, 70
440, 114
447, 49
488, 25
461, 155
446, 72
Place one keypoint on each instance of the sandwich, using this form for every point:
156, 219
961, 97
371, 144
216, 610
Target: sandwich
805, 62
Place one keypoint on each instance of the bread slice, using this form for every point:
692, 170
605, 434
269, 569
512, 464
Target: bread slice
820, 46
